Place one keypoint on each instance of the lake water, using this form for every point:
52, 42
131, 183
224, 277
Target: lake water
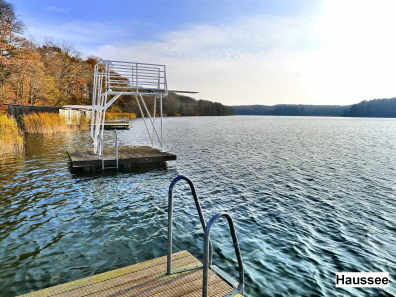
310, 197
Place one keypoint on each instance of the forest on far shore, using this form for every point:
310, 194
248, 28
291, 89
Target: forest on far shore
380, 108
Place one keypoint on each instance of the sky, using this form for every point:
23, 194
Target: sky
237, 52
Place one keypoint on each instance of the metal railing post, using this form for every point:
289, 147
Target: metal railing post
207, 258
100, 148
116, 146
170, 215
162, 141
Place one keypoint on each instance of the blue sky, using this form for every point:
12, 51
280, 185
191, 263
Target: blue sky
237, 52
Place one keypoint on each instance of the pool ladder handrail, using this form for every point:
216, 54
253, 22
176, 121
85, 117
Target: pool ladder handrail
100, 150
208, 250
170, 221
208, 254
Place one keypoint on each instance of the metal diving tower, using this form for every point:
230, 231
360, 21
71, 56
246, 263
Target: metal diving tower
115, 78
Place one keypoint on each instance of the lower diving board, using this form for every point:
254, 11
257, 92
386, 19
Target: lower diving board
146, 279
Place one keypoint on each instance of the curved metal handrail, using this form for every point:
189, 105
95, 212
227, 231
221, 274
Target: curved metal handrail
170, 219
208, 260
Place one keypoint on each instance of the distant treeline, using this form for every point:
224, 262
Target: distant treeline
292, 110
381, 108
175, 105
187, 106
377, 108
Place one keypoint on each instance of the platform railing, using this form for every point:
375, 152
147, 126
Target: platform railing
170, 221
207, 262
133, 77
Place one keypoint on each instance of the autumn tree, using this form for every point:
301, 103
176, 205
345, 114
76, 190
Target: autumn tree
10, 41
55, 73
26, 80
69, 72
10, 29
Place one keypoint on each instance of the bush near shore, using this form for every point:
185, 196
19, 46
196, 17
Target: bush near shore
11, 138
45, 123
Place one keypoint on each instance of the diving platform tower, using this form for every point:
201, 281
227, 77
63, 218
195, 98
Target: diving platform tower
115, 78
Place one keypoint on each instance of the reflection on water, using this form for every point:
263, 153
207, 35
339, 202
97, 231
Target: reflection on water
310, 196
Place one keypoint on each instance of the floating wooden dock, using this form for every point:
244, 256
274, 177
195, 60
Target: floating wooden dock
129, 157
146, 279
116, 125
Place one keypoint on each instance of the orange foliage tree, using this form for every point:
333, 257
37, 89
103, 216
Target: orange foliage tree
48, 74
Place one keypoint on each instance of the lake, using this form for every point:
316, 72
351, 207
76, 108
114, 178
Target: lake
310, 197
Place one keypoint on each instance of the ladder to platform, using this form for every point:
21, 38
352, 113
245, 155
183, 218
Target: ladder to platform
238, 286
101, 147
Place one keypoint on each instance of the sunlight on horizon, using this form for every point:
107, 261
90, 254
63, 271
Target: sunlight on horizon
357, 58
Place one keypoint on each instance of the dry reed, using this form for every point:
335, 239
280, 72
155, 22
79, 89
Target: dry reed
45, 123
82, 122
110, 116
11, 139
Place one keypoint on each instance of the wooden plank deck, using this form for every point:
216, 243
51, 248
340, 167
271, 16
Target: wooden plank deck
146, 279
128, 157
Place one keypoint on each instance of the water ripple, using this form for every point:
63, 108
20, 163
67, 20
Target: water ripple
310, 197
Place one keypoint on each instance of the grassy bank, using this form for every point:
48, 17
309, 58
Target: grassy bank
111, 116
11, 139
45, 123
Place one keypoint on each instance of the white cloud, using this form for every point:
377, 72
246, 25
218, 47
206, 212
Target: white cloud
78, 32
243, 63
58, 9
342, 54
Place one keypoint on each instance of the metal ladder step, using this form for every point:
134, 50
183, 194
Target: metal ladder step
225, 276
116, 153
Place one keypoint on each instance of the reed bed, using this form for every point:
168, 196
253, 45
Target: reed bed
11, 138
111, 116
82, 122
45, 123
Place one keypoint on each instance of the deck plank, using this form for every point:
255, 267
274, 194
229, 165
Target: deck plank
146, 279
130, 281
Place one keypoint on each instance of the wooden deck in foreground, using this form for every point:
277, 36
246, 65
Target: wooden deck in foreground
128, 157
146, 279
